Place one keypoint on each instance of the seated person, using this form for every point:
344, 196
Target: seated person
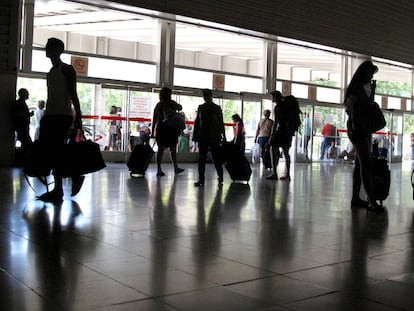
332, 151
348, 154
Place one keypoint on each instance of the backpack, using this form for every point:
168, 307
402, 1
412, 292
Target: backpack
293, 113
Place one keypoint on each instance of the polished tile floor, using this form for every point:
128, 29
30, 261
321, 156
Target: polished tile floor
161, 244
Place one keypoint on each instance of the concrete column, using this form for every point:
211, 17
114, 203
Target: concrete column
270, 64
27, 35
10, 23
166, 53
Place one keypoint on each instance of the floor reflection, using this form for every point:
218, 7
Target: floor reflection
160, 244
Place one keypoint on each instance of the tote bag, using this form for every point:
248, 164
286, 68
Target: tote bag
376, 121
81, 157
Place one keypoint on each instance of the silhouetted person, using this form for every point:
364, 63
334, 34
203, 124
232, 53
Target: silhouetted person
281, 137
209, 133
359, 95
165, 136
21, 118
58, 118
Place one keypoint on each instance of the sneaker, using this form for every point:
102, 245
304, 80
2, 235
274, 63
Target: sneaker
199, 184
375, 207
359, 203
136, 175
77, 183
272, 177
160, 174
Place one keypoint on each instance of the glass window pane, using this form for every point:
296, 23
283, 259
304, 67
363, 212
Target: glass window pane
229, 107
103, 68
193, 78
393, 79
96, 30
318, 65
216, 50
328, 95
242, 84
300, 90
251, 117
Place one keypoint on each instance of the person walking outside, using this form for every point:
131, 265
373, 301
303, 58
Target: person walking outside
359, 95
209, 133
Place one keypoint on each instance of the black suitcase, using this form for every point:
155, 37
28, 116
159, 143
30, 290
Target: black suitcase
381, 177
139, 159
236, 163
239, 169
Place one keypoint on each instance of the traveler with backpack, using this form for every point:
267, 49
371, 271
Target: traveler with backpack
286, 123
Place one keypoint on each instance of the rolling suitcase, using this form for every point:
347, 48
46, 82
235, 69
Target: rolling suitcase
139, 159
239, 169
381, 178
237, 164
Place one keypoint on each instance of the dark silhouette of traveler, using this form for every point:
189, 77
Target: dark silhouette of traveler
239, 132
281, 137
165, 136
359, 95
263, 131
209, 134
21, 118
58, 118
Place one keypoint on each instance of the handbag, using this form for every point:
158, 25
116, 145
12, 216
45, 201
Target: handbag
80, 157
376, 120
174, 120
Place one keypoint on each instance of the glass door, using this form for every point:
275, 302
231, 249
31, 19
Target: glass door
395, 136
252, 112
329, 129
304, 137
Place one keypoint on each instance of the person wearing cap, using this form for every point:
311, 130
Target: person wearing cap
280, 137
209, 133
